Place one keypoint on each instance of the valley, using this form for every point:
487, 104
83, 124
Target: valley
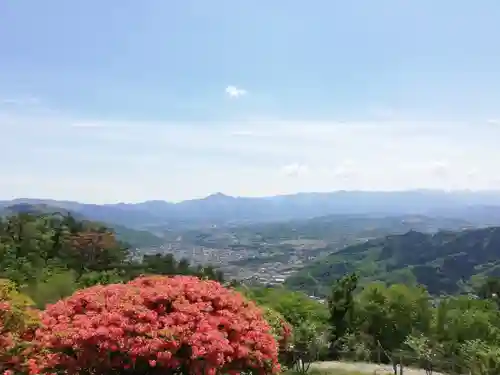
288, 245
270, 252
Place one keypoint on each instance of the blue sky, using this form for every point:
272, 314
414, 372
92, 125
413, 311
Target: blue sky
125, 100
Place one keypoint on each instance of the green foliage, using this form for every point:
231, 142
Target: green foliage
426, 350
461, 319
295, 307
49, 256
481, 358
390, 314
52, 286
21, 314
444, 262
341, 307
309, 320
276, 321
454, 333
137, 238
101, 278
489, 288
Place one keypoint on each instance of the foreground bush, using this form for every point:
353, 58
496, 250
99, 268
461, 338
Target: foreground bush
18, 321
281, 330
158, 325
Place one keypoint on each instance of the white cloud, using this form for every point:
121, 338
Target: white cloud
472, 173
240, 158
439, 168
235, 92
345, 170
295, 170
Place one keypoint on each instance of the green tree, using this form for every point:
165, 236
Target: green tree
114, 276
480, 358
463, 318
53, 285
341, 307
389, 314
427, 350
296, 307
308, 318
490, 289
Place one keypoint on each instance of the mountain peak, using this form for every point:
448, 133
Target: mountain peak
218, 196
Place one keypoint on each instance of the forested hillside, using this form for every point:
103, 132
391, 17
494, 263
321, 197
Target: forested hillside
51, 255
133, 237
443, 262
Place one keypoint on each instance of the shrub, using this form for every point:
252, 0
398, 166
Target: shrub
281, 330
158, 325
52, 285
17, 323
20, 314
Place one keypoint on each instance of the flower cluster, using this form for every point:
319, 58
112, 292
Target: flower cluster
7, 338
177, 324
18, 321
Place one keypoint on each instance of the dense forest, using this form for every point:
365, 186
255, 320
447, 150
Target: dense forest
51, 255
444, 262
396, 323
133, 237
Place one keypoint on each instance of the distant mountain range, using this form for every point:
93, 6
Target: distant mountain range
444, 262
220, 209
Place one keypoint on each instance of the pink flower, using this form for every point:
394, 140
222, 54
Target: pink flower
178, 321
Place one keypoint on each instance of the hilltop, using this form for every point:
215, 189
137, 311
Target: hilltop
133, 237
444, 262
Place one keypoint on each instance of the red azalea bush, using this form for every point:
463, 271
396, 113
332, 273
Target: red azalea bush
18, 321
167, 325
8, 339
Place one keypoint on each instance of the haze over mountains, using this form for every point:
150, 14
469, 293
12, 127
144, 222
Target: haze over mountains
310, 239
482, 207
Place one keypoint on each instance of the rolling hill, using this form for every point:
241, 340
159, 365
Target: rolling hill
444, 261
134, 237
334, 231
278, 249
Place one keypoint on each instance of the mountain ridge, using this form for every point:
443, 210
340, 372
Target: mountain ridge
458, 192
444, 262
220, 208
